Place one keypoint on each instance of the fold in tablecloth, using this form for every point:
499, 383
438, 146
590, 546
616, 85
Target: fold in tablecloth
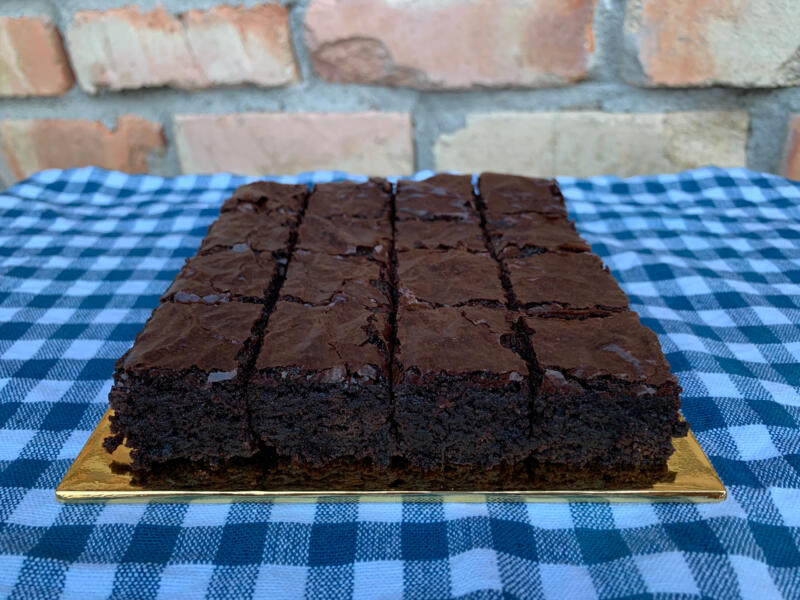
710, 259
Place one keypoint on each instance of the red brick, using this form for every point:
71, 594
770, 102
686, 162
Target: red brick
221, 46
791, 159
451, 45
32, 58
32, 145
716, 42
373, 143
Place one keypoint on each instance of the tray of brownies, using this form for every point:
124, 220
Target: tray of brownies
443, 337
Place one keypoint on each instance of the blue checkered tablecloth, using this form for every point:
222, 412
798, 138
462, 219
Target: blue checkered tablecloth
710, 259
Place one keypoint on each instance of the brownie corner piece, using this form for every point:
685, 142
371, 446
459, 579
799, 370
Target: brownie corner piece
607, 396
510, 194
320, 388
267, 197
177, 392
462, 389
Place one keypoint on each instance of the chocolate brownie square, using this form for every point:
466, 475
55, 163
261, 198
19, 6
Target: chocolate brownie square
525, 234
178, 392
445, 197
439, 235
260, 233
225, 275
267, 198
512, 194
607, 397
320, 389
461, 389
345, 236
367, 200
320, 279
449, 278
556, 282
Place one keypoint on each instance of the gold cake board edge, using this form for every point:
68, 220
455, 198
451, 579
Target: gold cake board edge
91, 479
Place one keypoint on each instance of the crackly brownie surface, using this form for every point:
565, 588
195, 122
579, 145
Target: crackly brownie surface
257, 232
438, 197
267, 198
448, 278
345, 235
439, 235
368, 200
510, 194
531, 233
235, 273
433, 334
572, 280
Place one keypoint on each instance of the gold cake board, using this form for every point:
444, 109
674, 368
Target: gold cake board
90, 478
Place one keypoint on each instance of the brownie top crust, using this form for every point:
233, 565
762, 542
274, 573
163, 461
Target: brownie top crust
236, 229
571, 279
218, 276
617, 346
523, 233
368, 200
448, 278
457, 341
321, 279
345, 235
336, 341
509, 194
439, 235
267, 197
185, 336
438, 197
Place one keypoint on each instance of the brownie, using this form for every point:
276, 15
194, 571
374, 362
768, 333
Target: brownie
449, 278
367, 200
319, 279
183, 374
260, 233
267, 198
565, 282
511, 194
439, 235
225, 275
345, 235
447, 197
525, 234
607, 396
425, 337
320, 389
461, 388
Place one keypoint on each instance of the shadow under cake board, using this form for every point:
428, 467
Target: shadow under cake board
91, 478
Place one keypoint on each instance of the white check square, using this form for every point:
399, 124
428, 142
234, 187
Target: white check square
666, 573
23, 350
566, 581
281, 581
753, 442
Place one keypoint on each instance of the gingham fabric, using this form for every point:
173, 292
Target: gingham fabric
710, 259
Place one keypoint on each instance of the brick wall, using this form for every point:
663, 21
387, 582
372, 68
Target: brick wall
548, 87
